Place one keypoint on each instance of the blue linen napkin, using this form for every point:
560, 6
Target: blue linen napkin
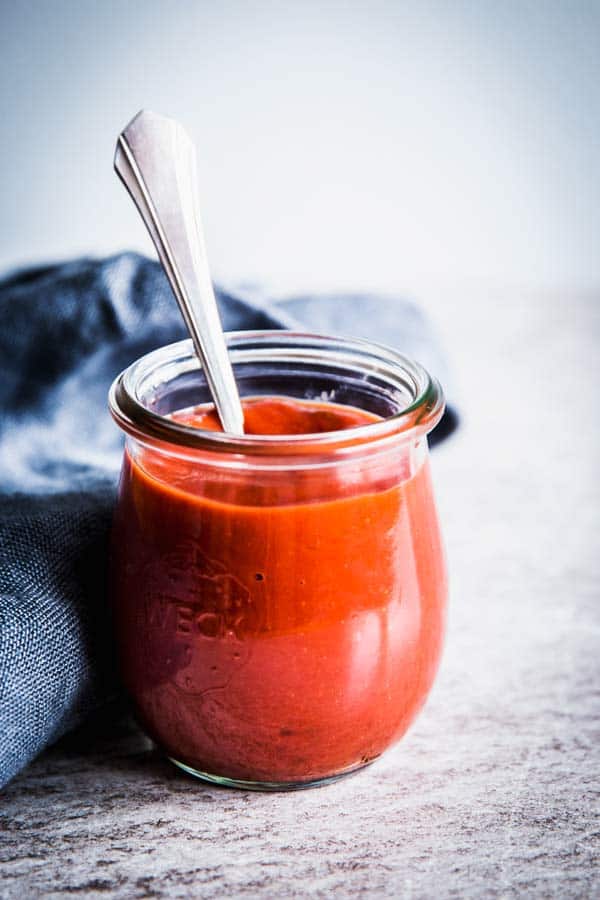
66, 331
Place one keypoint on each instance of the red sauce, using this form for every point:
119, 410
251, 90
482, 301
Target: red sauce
282, 415
273, 625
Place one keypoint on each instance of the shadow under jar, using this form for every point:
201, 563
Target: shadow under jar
279, 601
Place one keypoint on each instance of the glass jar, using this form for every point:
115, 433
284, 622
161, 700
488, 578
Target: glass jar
279, 601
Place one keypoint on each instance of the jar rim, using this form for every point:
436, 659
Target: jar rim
416, 419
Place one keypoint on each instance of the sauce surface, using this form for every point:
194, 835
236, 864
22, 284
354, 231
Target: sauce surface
281, 415
277, 625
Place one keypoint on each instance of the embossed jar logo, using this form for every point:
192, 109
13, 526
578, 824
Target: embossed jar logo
196, 614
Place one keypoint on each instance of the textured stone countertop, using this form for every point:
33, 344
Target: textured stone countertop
494, 792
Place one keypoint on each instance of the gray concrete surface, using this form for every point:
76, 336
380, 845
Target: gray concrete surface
494, 792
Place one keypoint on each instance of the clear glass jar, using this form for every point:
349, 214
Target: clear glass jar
279, 601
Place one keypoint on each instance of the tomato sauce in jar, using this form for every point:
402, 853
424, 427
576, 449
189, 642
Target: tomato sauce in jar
279, 619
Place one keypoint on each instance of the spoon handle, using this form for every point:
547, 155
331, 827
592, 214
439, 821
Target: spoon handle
156, 161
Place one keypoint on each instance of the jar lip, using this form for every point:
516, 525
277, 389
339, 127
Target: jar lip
416, 419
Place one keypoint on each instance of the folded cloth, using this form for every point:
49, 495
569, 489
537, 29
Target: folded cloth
65, 331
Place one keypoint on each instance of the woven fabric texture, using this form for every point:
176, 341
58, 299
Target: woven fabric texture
65, 332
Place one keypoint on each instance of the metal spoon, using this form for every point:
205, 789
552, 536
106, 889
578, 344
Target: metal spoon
156, 161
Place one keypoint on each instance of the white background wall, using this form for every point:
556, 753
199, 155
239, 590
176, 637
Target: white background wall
376, 144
